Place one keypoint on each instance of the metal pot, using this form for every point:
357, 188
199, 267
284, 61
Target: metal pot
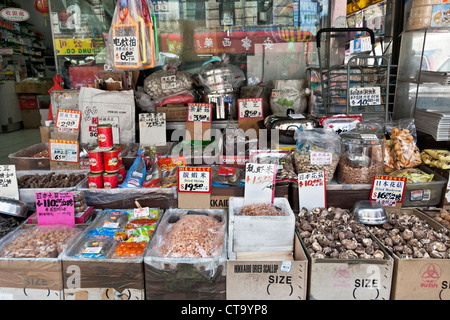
13, 207
287, 127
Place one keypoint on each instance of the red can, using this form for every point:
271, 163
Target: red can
121, 174
110, 180
119, 150
95, 180
96, 160
105, 137
111, 161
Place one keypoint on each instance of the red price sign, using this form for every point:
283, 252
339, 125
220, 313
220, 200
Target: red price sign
388, 190
193, 179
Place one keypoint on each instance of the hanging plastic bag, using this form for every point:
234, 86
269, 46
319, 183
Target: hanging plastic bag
137, 172
131, 38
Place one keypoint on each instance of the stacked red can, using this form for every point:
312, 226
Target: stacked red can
105, 160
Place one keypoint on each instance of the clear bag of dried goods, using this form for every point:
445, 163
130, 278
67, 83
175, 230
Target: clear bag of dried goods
403, 143
169, 81
284, 161
317, 149
190, 234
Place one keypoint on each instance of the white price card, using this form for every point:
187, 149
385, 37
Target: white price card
68, 120
126, 49
250, 108
364, 96
312, 190
199, 112
194, 180
388, 190
152, 129
64, 151
259, 183
8, 182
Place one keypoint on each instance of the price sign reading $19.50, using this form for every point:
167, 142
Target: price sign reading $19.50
194, 180
259, 183
312, 190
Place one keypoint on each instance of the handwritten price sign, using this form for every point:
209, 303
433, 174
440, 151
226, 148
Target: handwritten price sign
250, 108
193, 179
68, 120
55, 208
312, 190
388, 190
199, 112
259, 183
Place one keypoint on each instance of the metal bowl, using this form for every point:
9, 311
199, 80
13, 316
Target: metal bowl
13, 207
370, 212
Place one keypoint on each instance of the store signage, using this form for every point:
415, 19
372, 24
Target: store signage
8, 182
388, 190
152, 129
78, 46
15, 14
364, 96
68, 120
55, 208
64, 151
194, 180
312, 190
199, 112
259, 183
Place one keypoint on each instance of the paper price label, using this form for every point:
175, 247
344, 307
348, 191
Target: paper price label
149, 120
365, 96
259, 183
312, 190
55, 208
199, 112
195, 180
320, 158
250, 108
68, 120
126, 49
8, 182
388, 190
92, 250
64, 151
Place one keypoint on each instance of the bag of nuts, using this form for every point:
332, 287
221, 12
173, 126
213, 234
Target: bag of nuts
317, 149
168, 81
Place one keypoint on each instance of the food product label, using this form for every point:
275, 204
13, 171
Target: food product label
193, 179
369, 137
250, 108
365, 96
64, 151
141, 212
259, 183
112, 225
321, 158
55, 208
8, 182
114, 122
92, 250
68, 120
126, 49
312, 190
388, 190
199, 112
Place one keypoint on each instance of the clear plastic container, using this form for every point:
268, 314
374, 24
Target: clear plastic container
362, 151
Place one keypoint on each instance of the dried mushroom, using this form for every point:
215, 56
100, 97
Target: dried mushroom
410, 237
333, 233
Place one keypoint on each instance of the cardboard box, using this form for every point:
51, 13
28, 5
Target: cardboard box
185, 278
269, 279
260, 233
41, 86
31, 118
421, 279
349, 279
30, 278
174, 112
28, 101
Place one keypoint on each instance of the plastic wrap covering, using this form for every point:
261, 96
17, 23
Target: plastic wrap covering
317, 149
289, 94
186, 259
27, 194
168, 82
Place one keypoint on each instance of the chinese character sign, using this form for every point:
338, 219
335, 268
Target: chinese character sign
55, 208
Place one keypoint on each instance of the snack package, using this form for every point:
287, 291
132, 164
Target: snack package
436, 158
153, 175
168, 82
413, 175
283, 160
137, 172
169, 170
317, 149
404, 148
224, 175
340, 123
95, 248
131, 39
